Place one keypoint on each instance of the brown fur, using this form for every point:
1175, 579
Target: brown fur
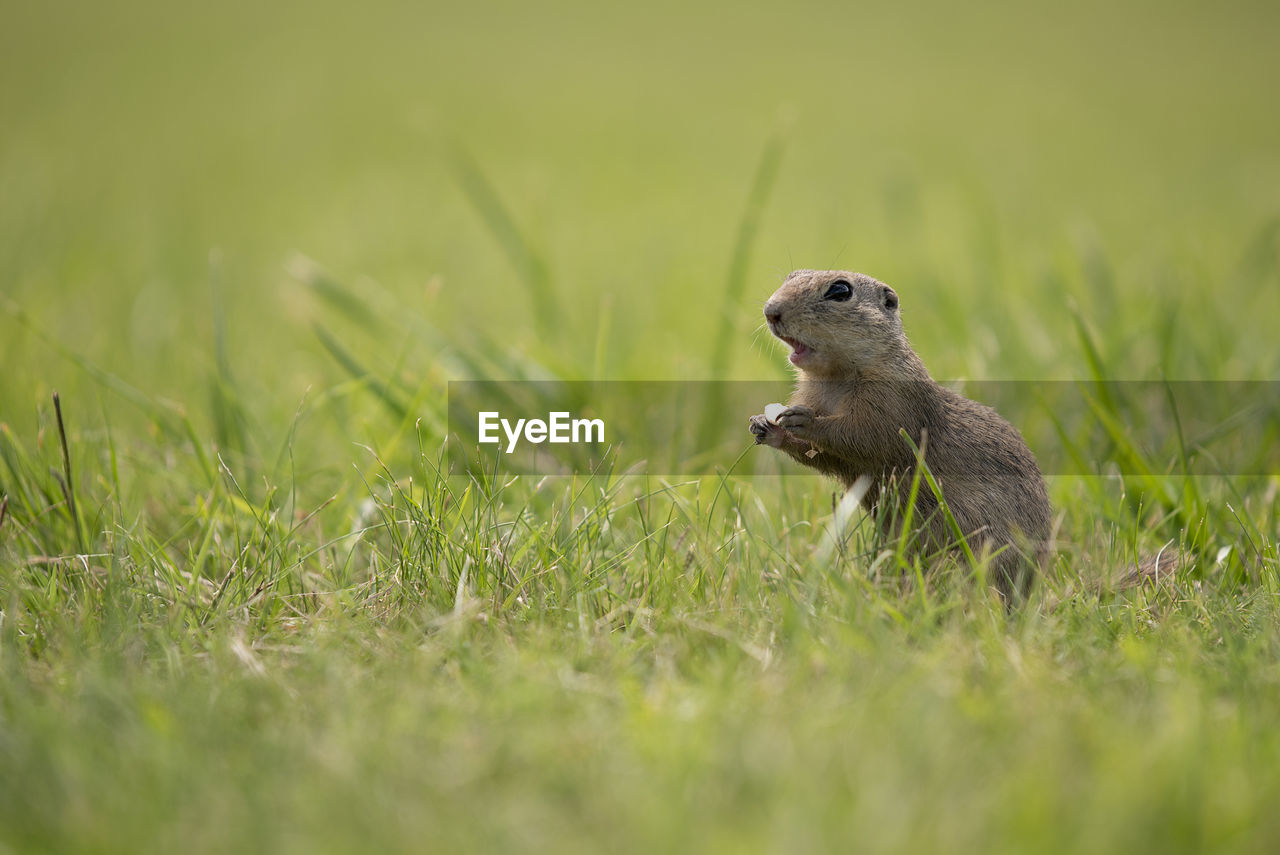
860, 383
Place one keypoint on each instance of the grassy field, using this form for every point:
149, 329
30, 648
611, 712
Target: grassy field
249, 246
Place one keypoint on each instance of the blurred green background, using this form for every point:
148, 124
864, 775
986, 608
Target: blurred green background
982, 159
245, 241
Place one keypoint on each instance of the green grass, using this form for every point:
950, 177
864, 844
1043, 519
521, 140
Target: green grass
248, 247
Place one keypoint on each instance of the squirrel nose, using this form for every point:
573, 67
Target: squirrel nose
772, 315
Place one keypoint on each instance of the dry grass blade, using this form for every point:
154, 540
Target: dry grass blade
67, 484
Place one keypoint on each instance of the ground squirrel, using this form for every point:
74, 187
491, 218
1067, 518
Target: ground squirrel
860, 383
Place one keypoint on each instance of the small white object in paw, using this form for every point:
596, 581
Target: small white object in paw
772, 411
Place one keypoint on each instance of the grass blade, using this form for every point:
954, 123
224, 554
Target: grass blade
531, 267
68, 485
761, 187
358, 372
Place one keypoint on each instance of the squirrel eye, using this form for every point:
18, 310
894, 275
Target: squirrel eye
838, 291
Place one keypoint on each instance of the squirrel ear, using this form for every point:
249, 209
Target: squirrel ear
888, 298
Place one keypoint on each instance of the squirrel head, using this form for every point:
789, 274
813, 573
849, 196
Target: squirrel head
840, 325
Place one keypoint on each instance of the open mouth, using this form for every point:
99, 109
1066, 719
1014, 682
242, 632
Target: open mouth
799, 350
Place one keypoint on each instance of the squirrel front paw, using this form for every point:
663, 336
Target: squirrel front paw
797, 420
766, 432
